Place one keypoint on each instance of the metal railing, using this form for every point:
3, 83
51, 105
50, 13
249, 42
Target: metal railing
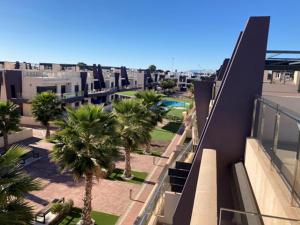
163, 185
278, 131
237, 217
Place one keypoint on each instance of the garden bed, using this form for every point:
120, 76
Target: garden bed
100, 218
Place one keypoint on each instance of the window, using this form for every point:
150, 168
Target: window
92, 86
63, 89
76, 88
112, 84
13, 91
45, 89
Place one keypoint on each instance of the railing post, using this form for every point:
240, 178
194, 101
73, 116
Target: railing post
296, 166
276, 130
262, 115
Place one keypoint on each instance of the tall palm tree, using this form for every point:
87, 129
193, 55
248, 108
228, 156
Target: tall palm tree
133, 127
85, 145
46, 107
14, 185
150, 99
9, 120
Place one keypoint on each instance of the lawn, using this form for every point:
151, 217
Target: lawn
127, 93
165, 133
138, 177
100, 218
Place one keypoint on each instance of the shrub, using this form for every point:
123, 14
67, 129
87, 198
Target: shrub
63, 208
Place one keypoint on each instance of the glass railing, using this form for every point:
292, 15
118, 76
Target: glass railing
236, 217
157, 198
71, 95
278, 130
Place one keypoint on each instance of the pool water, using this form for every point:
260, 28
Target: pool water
173, 104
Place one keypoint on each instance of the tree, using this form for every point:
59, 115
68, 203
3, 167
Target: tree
15, 185
9, 120
191, 89
46, 107
152, 68
85, 145
168, 84
150, 99
133, 127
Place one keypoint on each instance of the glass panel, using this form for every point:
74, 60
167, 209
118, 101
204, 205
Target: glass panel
267, 129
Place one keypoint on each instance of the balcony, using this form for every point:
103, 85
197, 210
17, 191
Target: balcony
102, 92
71, 96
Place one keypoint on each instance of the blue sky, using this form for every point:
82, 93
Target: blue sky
136, 33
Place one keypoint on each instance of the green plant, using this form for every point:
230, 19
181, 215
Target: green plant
46, 107
85, 143
133, 127
15, 185
9, 120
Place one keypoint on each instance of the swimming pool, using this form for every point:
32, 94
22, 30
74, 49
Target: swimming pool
172, 103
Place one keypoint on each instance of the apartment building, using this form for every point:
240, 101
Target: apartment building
184, 79
73, 84
245, 168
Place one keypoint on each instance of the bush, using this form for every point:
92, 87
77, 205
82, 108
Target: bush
62, 208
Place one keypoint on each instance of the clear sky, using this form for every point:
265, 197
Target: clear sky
189, 34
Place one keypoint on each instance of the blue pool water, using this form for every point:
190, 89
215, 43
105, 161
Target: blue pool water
173, 104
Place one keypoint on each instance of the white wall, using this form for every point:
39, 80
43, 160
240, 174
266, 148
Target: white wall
25, 133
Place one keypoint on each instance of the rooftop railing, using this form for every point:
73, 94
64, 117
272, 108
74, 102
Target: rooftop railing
236, 217
278, 131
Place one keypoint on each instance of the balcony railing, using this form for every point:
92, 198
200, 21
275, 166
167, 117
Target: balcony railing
70, 95
278, 131
163, 185
236, 217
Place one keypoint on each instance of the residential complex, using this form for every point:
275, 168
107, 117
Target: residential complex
74, 85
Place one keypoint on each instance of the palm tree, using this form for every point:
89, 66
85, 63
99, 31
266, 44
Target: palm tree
150, 99
9, 120
133, 127
46, 107
14, 185
85, 145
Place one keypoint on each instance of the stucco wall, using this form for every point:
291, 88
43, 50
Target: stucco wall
17, 136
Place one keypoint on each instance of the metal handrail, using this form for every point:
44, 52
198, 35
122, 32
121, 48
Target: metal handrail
279, 108
254, 214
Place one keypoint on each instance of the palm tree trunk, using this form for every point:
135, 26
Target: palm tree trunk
127, 171
5, 140
148, 147
47, 131
87, 201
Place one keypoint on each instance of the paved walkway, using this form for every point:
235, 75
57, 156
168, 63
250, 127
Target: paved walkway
134, 209
108, 196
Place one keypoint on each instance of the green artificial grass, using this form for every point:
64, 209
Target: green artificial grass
100, 218
127, 93
138, 177
165, 133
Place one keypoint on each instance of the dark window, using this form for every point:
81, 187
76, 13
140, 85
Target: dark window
63, 89
76, 88
92, 86
112, 84
46, 88
13, 91
87, 87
